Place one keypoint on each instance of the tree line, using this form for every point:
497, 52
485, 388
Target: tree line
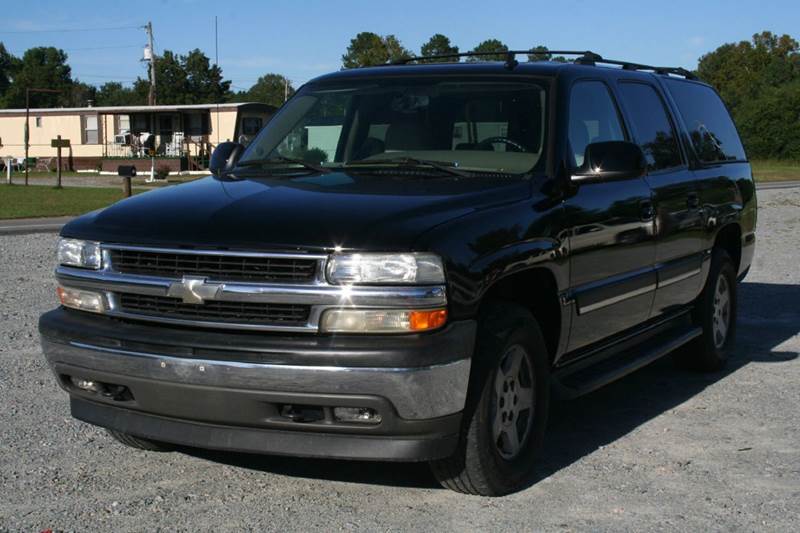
181, 79
370, 49
758, 79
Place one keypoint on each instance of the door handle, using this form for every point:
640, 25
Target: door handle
647, 211
692, 200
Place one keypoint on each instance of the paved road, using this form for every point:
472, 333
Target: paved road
661, 449
778, 185
17, 226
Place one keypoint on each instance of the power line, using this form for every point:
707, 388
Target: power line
103, 47
106, 77
292, 81
19, 51
71, 30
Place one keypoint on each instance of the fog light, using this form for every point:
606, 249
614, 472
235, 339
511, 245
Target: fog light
363, 415
85, 384
80, 299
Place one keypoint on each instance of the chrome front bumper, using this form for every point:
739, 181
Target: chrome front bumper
416, 392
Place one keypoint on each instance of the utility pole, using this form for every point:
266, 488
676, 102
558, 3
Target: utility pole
151, 95
285, 89
216, 64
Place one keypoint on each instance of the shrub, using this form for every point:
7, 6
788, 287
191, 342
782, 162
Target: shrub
162, 171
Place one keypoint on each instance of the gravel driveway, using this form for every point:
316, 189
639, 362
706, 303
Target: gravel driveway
661, 449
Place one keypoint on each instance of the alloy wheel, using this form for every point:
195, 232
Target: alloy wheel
512, 402
721, 311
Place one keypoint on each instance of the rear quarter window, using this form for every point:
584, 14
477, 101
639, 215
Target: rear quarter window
710, 126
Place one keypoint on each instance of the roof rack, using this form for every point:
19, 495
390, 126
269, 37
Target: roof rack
585, 57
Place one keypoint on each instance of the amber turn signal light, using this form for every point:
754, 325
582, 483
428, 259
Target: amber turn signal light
426, 320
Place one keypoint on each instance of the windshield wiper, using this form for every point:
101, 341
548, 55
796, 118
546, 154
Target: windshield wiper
442, 166
282, 160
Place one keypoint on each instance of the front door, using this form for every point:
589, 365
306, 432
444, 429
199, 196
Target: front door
612, 250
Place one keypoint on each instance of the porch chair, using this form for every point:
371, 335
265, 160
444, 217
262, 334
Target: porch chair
43, 163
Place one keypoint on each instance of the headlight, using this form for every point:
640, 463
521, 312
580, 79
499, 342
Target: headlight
84, 254
382, 320
392, 269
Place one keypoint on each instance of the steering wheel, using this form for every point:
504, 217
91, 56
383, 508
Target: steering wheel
516, 147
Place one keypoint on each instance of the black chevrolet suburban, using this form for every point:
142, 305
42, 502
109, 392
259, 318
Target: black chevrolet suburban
409, 261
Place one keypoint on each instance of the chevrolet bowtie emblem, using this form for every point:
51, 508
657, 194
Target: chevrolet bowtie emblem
194, 290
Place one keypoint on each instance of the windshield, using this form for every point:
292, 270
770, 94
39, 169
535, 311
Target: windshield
478, 126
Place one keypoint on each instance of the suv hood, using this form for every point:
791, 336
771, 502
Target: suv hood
295, 213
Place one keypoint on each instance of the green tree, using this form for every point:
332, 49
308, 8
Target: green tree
269, 89
369, 49
82, 94
171, 82
41, 68
8, 65
542, 53
770, 123
113, 93
185, 79
759, 80
741, 71
490, 45
394, 48
439, 45
203, 80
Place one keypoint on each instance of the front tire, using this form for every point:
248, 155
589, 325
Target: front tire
507, 406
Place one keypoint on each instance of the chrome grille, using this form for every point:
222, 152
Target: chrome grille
267, 314
220, 267
246, 290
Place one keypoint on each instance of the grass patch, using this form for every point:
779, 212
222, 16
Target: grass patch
774, 170
18, 201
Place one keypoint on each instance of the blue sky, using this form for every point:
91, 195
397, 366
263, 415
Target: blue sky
302, 39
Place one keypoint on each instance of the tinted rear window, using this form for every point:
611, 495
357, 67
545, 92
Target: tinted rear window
710, 126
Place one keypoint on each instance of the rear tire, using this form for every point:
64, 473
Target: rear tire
139, 443
715, 312
507, 404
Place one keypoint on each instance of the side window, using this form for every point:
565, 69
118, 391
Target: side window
593, 118
251, 125
652, 125
711, 129
90, 129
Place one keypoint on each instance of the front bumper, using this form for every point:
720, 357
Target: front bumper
228, 391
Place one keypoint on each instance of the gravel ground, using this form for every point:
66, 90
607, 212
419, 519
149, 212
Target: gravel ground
659, 450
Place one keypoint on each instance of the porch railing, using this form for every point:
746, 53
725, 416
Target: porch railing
197, 152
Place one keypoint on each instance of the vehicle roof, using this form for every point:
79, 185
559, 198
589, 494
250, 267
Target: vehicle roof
495, 68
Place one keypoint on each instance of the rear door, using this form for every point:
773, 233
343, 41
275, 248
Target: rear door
611, 228
678, 223
720, 167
